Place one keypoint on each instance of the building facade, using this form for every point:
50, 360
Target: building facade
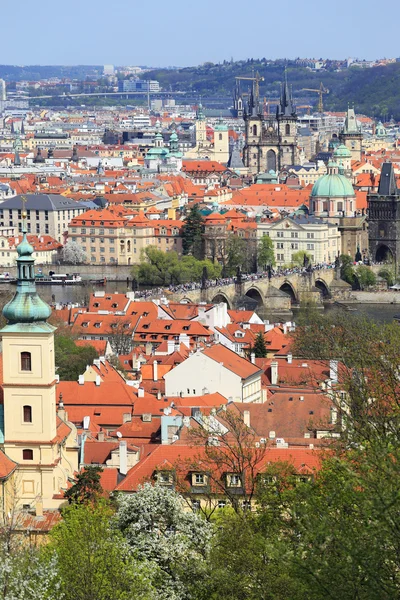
40, 442
270, 143
47, 214
317, 237
384, 218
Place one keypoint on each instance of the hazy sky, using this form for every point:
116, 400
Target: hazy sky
184, 32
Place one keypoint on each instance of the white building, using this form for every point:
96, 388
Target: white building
215, 369
320, 239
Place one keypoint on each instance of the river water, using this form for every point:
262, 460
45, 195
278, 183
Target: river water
80, 294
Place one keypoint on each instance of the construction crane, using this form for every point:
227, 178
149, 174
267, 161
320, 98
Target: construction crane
268, 102
257, 80
321, 91
307, 106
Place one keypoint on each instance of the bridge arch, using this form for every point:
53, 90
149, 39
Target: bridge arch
221, 297
383, 254
255, 294
323, 288
288, 288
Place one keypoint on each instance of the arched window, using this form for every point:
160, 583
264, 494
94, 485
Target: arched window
220, 137
27, 414
27, 454
26, 361
287, 129
254, 129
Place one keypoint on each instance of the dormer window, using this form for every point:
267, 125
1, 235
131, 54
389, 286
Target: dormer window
186, 327
96, 305
233, 480
168, 327
85, 324
165, 477
26, 361
97, 325
114, 305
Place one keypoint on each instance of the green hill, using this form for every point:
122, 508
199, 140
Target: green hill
374, 91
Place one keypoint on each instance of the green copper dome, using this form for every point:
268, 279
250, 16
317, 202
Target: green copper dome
341, 152
332, 185
26, 311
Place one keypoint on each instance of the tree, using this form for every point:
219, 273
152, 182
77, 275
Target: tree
299, 257
260, 349
236, 251
71, 360
388, 275
87, 486
120, 336
365, 276
23, 573
94, 561
159, 529
347, 268
192, 233
73, 253
265, 252
165, 268
226, 446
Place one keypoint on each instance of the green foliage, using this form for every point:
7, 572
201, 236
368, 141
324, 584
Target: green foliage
260, 349
165, 268
299, 256
237, 254
388, 276
347, 268
94, 561
71, 360
87, 487
265, 252
192, 230
365, 276
159, 529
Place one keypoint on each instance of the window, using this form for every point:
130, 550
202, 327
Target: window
27, 454
280, 245
295, 234
310, 236
195, 505
26, 361
310, 246
234, 480
254, 129
287, 129
279, 234
294, 246
221, 503
27, 414
199, 479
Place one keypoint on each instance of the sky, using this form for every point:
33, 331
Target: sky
164, 33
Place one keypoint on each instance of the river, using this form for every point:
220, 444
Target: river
80, 294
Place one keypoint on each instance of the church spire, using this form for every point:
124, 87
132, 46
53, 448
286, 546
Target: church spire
26, 309
286, 107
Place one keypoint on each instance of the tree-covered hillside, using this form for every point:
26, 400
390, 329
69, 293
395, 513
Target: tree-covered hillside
374, 91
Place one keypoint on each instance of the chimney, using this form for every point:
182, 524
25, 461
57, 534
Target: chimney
289, 358
81, 379
285, 329
333, 370
96, 362
170, 346
246, 417
98, 380
123, 458
140, 393
149, 349
158, 395
253, 358
155, 371
100, 436
274, 373
39, 507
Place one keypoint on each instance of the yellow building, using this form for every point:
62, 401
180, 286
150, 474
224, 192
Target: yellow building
40, 442
204, 149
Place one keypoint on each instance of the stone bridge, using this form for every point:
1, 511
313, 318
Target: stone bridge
277, 294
